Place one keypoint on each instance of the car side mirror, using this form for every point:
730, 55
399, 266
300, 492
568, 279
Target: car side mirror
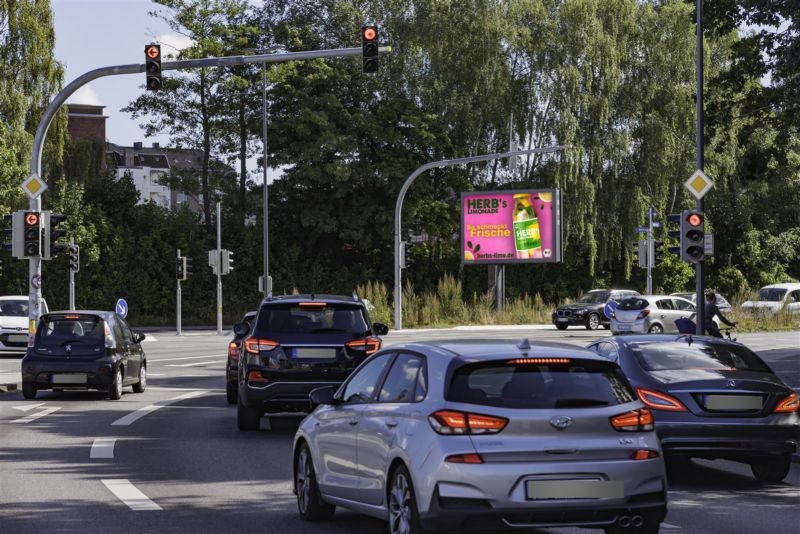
241, 329
380, 329
138, 337
323, 395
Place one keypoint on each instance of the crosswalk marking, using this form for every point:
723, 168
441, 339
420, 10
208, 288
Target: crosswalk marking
130, 494
37, 415
102, 448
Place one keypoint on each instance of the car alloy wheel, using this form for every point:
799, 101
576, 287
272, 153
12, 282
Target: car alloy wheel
309, 503
142, 385
115, 389
593, 321
403, 516
656, 329
302, 482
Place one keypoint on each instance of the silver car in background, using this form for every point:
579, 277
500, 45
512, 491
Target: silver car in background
493, 435
653, 314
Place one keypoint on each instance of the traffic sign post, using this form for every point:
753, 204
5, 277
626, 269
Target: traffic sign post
178, 296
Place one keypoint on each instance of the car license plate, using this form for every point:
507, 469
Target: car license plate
734, 402
18, 338
74, 378
624, 326
574, 489
562, 320
313, 353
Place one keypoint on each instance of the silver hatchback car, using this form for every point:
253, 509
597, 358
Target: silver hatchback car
483, 434
653, 314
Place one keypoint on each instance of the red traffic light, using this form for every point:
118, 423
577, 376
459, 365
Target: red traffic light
31, 219
152, 51
694, 219
369, 33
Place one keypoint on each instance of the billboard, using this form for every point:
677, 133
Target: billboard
522, 226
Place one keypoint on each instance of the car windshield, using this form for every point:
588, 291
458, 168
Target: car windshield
63, 330
633, 303
687, 296
310, 317
680, 355
593, 297
519, 384
771, 294
14, 308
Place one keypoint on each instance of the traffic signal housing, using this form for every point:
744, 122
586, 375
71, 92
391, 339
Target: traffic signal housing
152, 59
74, 258
675, 234
187, 267
658, 253
180, 268
369, 49
32, 234
693, 236
50, 245
227, 261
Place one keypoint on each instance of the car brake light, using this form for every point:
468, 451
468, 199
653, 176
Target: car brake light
469, 458
369, 345
642, 314
255, 345
233, 350
452, 422
256, 376
789, 404
535, 361
644, 454
640, 420
313, 304
660, 401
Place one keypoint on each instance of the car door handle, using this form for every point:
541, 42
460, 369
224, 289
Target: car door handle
391, 424
353, 422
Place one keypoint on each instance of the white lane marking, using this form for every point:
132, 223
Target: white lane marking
149, 338
103, 448
141, 412
27, 407
37, 415
167, 388
185, 358
668, 526
129, 494
192, 364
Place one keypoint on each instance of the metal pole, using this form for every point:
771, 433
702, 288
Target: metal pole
699, 267
501, 287
398, 210
219, 269
71, 279
266, 287
178, 301
650, 251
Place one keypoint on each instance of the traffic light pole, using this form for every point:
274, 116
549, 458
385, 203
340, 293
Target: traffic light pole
699, 266
650, 251
71, 280
219, 269
178, 301
35, 265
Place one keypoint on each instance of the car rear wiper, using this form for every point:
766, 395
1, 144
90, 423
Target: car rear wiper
579, 403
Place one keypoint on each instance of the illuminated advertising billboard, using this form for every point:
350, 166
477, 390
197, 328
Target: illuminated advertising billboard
511, 227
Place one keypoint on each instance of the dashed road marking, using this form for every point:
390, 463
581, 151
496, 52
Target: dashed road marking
192, 364
37, 415
27, 407
103, 448
129, 494
149, 338
141, 412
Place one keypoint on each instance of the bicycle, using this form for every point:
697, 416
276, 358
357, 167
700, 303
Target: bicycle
727, 332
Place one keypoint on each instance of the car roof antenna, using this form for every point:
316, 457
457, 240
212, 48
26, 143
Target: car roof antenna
524, 344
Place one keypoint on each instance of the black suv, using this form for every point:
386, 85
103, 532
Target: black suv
300, 343
232, 363
588, 310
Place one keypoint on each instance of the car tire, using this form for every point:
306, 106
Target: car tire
247, 419
115, 388
592, 321
561, 326
403, 513
772, 470
231, 392
656, 329
28, 390
141, 385
309, 502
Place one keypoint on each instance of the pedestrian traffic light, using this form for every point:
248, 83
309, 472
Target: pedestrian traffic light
50, 245
187, 267
74, 258
658, 253
369, 49
180, 269
152, 53
675, 234
227, 261
8, 231
32, 235
692, 236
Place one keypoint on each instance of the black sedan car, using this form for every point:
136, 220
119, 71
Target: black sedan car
711, 399
587, 311
84, 350
232, 364
300, 343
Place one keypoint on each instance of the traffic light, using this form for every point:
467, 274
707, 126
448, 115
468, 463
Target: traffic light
187, 267
74, 258
692, 236
658, 253
32, 234
180, 268
152, 59
227, 261
8, 232
369, 49
675, 234
50, 244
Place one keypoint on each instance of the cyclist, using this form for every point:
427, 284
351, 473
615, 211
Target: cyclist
712, 310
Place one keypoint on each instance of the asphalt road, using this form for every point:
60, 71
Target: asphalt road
171, 459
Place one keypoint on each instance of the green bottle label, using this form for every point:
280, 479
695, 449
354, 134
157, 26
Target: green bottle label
526, 234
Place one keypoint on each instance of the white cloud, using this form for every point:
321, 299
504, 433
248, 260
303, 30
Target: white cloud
174, 42
85, 95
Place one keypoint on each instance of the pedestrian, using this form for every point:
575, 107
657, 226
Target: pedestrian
712, 310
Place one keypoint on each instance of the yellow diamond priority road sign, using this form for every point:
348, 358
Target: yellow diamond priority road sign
699, 184
33, 186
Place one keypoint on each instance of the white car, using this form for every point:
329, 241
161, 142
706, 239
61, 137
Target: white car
774, 298
14, 323
653, 314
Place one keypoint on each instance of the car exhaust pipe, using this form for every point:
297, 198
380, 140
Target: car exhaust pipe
637, 521
624, 521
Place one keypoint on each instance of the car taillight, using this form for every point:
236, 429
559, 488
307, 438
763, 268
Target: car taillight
256, 376
451, 422
255, 345
469, 458
369, 345
789, 404
642, 314
660, 401
644, 454
640, 420
233, 350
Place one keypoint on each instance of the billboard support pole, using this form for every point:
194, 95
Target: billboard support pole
398, 210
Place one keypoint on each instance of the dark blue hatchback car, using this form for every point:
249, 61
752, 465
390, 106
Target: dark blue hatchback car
711, 399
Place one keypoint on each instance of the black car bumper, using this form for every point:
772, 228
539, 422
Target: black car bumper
572, 320
74, 375
728, 441
280, 396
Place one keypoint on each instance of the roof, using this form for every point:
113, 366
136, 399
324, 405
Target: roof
494, 349
785, 285
630, 339
313, 297
81, 312
14, 297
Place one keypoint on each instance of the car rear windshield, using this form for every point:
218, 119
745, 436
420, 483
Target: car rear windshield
14, 308
63, 330
303, 318
771, 294
633, 303
515, 384
682, 355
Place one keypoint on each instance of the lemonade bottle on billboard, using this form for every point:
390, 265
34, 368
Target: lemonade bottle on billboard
527, 240
543, 208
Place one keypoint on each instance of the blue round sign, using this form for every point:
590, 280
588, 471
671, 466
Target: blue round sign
121, 308
609, 308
